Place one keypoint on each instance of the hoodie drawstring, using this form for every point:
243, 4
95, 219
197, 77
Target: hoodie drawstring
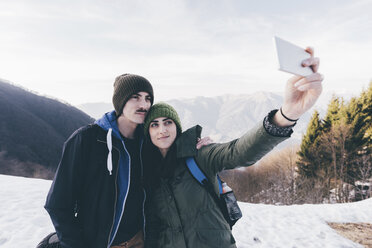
109, 146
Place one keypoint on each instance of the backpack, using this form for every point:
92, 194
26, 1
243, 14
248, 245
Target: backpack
226, 199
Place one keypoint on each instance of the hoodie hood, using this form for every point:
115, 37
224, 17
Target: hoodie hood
107, 122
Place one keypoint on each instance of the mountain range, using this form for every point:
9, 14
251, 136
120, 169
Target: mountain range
223, 118
33, 127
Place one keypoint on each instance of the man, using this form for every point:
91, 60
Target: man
96, 199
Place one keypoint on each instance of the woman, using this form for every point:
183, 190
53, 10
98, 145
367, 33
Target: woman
179, 211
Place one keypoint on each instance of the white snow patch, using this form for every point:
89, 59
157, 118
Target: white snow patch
24, 222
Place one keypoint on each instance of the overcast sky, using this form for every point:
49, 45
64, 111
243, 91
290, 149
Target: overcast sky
73, 49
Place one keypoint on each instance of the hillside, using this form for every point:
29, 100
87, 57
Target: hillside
33, 129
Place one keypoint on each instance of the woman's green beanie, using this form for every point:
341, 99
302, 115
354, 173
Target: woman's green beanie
162, 109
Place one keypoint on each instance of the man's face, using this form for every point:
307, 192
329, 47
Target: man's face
137, 107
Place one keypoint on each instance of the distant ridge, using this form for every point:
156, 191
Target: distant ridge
33, 129
96, 109
223, 117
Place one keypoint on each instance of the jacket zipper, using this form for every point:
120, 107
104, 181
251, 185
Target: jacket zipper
125, 199
144, 194
116, 191
117, 169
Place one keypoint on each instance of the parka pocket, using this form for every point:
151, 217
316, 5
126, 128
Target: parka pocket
216, 238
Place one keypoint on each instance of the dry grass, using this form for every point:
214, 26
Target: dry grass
358, 232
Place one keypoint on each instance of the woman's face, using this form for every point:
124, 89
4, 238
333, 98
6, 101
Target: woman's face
163, 133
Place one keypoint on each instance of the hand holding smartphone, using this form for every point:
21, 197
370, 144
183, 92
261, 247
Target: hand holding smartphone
290, 58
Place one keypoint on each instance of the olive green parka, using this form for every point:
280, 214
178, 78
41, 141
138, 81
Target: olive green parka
180, 213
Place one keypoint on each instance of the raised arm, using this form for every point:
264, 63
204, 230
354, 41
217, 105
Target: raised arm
245, 151
301, 94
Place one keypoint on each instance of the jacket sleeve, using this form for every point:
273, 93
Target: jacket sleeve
245, 151
62, 199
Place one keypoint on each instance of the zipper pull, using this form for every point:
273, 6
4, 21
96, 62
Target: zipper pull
109, 147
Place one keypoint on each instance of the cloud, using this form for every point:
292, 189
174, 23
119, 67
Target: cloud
178, 43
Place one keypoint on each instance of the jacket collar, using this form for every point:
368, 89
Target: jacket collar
108, 121
186, 143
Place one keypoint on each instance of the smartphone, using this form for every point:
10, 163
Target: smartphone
290, 57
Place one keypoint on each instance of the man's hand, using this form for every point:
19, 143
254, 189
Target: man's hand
203, 142
301, 92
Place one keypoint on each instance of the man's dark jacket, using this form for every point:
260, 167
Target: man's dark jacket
82, 198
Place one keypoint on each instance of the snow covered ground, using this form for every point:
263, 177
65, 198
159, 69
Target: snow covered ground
24, 222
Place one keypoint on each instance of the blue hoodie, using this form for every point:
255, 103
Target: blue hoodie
108, 122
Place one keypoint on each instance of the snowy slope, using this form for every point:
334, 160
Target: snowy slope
24, 222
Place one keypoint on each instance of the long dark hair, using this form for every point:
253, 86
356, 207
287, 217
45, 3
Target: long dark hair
155, 166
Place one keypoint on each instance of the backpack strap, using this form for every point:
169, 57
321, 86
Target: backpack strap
225, 201
199, 175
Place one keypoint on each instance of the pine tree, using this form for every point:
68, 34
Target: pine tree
333, 113
307, 164
338, 149
359, 116
367, 110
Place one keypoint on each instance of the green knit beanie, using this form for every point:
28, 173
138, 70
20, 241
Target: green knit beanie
125, 86
162, 109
